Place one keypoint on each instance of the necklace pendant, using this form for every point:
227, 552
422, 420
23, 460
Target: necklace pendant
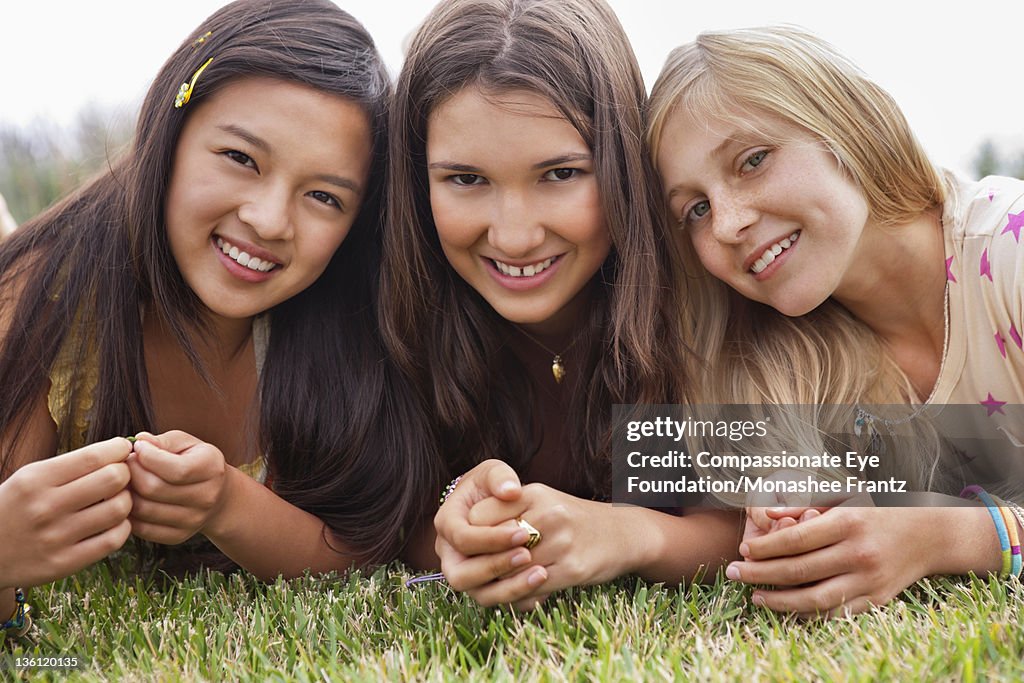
557, 369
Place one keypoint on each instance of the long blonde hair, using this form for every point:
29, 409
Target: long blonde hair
753, 353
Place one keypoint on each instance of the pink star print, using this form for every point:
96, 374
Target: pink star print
949, 272
992, 405
1015, 336
986, 267
1001, 343
1014, 222
991, 194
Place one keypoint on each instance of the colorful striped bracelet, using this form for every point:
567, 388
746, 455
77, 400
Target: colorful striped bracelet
1011, 527
997, 519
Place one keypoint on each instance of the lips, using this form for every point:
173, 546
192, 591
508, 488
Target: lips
768, 255
243, 257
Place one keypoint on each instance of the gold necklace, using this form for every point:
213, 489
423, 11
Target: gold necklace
557, 362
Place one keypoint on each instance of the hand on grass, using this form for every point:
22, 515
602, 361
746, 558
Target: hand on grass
583, 543
64, 513
473, 556
177, 485
840, 562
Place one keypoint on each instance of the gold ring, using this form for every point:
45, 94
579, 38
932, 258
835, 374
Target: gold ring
535, 536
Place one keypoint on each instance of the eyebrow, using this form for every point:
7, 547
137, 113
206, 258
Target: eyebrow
261, 144
732, 138
547, 163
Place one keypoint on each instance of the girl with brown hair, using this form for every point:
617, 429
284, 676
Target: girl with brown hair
526, 290
218, 281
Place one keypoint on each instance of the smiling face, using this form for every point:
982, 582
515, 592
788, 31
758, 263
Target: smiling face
778, 221
516, 204
268, 177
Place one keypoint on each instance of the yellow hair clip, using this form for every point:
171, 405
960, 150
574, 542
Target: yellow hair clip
185, 91
201, 39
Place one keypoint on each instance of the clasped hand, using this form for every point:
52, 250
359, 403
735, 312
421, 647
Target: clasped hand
481, 544
69, 511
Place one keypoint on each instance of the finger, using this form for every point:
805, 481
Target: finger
157, 533
758, 515
512, 589
502, 481
790, 571
177, 467
91, 488
174, 441
474, 572
151, 487
477, 540
98, 518
783, 523
95, 548
529, 603
795, 512
493, 511
810, 514
164, 514
72, 465
815, 601
796, 540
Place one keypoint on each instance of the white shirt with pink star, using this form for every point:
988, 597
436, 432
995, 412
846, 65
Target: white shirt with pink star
984, 360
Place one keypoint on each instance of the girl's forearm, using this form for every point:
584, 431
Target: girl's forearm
269, 536
675, 548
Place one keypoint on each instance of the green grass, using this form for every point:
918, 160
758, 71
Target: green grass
360, 627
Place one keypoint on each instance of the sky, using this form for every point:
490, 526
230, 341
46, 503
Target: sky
957, 75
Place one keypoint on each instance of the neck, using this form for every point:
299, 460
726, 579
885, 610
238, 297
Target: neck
898, 288
226, 339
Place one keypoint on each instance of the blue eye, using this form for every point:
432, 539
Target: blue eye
467, 179
326, 198
698, 210
754, 160
561, 174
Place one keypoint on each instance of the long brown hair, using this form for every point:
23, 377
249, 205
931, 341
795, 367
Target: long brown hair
85, 269
575, 54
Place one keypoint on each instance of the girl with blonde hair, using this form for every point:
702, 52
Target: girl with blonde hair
859, 274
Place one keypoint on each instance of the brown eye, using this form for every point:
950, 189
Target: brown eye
561, 174
467, 179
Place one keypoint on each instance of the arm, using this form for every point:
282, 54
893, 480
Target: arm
182, 486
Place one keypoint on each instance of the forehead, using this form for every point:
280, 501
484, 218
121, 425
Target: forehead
513, 124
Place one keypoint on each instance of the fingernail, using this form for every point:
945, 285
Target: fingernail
744, 550
520, 558
776, 509
520, 537
537, 577
507, 487
757, 599
733, 572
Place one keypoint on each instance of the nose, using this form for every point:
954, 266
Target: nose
731, 215
268, 211
514, 230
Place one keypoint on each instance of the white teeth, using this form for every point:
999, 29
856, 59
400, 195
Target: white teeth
523, 271
244, 258
771, 252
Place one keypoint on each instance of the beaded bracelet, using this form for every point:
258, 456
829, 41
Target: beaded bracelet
1011, 527
997, 519
20, 622
449, 489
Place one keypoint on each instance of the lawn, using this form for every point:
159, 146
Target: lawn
370, 627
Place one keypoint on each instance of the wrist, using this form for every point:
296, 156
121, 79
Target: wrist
969, 542
220, 522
